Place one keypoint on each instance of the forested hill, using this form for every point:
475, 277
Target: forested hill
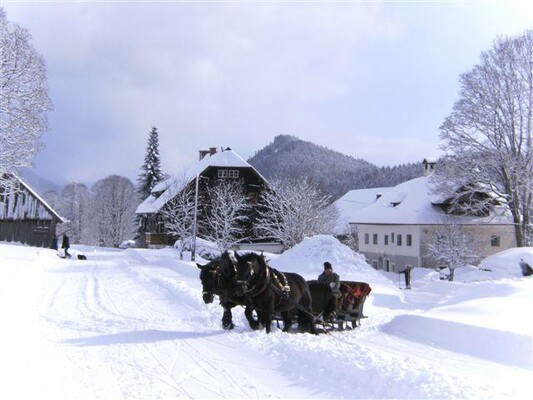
336, 173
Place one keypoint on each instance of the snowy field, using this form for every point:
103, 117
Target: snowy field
131, 324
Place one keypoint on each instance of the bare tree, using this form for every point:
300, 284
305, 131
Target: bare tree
488, 134
293, 209
226, 213
112, 212
453, 246
76, 208
178, 213
24, 99
350, 238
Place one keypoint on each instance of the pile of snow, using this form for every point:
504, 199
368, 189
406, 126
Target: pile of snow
204, 248
506, 263
307, 258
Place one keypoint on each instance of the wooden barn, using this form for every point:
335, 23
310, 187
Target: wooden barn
25, 217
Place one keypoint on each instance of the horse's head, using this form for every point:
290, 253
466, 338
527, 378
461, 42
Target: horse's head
249, 271
209, 279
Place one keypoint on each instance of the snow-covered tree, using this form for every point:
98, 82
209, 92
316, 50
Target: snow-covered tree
112, 211
453, 246
350, 238
226, 212
24, 100
150, 175
488, 134
76, 206
292, 209
178, 213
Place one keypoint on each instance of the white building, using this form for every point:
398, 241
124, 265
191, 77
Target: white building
394, 230
351, 202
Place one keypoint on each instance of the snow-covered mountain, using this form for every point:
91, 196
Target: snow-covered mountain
336, 173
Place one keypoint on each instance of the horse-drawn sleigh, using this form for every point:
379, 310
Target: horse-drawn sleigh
344, 312
248, 281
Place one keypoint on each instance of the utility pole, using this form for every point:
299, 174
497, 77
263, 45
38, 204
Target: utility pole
194, 224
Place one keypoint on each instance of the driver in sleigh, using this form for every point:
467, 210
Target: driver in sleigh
332, 279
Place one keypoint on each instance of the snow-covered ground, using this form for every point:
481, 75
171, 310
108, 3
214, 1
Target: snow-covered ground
131, 324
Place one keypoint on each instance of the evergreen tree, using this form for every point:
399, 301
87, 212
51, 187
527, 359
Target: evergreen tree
150, 175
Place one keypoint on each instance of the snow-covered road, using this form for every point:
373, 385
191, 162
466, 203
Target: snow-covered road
132, 324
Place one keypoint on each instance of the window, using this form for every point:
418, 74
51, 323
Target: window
375, 238
233, 173
228, 173
375, 264
399, 240
386, 240
409, 240
392, 237
367, 238
495, 241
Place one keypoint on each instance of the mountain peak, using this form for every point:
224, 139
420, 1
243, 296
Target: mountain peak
335, 173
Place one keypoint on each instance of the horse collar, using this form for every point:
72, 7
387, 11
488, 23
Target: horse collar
284, 285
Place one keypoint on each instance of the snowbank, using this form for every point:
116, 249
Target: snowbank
505, 263
307, 258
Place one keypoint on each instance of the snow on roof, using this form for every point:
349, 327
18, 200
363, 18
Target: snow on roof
173, 185
411, 203
47, 207
353, 201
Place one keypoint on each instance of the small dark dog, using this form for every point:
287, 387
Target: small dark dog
81, 257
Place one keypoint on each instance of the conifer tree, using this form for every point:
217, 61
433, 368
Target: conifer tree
150, 175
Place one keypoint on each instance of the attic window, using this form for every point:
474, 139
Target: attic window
228, 173
395, 203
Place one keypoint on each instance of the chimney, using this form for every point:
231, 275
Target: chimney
429, 165
211, 151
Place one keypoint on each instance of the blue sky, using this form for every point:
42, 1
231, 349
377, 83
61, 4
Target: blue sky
373, 80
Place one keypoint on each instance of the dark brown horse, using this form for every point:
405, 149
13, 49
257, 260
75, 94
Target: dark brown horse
218, 280
273, 291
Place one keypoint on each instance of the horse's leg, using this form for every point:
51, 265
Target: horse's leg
268, 317
263, 318
227, 318
287, 320
254, 324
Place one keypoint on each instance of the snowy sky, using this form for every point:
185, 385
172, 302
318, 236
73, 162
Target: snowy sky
373, 80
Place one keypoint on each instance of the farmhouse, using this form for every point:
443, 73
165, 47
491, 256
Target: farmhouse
25, 217
395, 229
212, 166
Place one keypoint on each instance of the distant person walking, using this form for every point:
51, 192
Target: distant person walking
66, 245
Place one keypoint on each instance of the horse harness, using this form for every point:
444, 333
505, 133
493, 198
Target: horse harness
279, 279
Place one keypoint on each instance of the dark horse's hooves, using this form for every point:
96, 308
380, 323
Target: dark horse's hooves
255, 325
228, 326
